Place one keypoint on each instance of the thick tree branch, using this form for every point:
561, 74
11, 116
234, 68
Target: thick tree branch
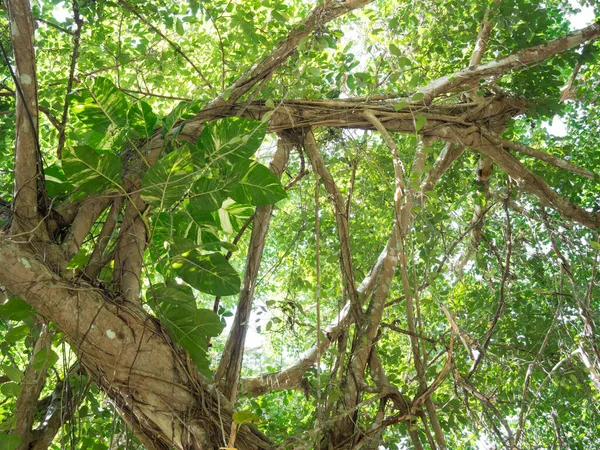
97, 258
550, 159
527, 57
319, 167
87, 214
228, 372
319, 16
28, 170
129, 355
32, 385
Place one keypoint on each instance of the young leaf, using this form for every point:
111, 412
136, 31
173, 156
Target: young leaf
420, 121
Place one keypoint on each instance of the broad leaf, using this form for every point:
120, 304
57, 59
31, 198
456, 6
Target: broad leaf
232, 139
232, 215
183, 110
16, 309
187, 224
10, 389
105, 105
208, 194
10, 441
259, 187
45, 358
167, 181
190, 326
142, 119
208, 273
90, 171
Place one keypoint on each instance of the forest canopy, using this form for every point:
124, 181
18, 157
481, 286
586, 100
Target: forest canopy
333, 224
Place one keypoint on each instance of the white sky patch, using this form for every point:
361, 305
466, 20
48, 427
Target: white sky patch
557, 128
60, 13
583, 18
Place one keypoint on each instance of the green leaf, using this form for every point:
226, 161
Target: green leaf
231, 216
232, 139
17, 333
420, 121
186, 223
56, 181
595, 245
91, 172
44, 358
259, 187
16, 309
179, 27
176, 306
142, 119
418, 96
245, 417
394, 50
403, 61
9, 441
208, 194
400, 105
13, 373
167, 181
11, 389
182, 111
208, 273
105, 106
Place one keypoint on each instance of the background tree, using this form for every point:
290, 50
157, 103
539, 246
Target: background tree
418, 261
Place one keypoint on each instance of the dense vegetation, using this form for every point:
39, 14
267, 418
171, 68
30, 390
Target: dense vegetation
290, 224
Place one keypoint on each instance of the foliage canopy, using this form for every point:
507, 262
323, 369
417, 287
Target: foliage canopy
266, 224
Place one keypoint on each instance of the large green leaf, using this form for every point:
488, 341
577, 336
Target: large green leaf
142, 119
208, 194
232, 215
10, 441
90, 171
16, 309
208, 273
184, 110
189, 325
231, 139
105, 105
167, 181
184, 223
259, 187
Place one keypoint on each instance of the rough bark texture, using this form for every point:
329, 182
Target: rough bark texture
130, 355
27, 162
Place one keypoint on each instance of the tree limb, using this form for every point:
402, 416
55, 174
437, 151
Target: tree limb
26, 216
526, 57
230, 366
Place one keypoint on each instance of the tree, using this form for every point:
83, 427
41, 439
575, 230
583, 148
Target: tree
419, 235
